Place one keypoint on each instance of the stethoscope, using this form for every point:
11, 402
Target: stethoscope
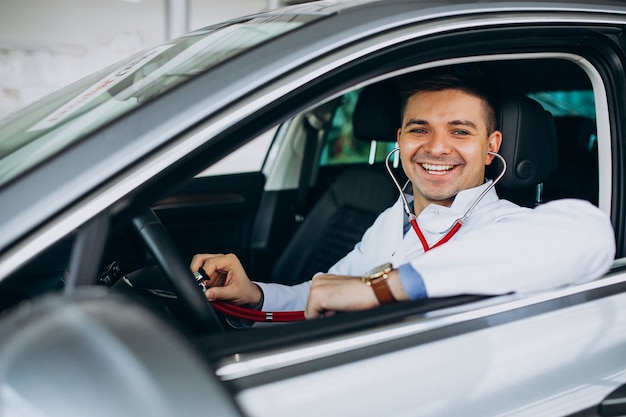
288, 316
452, 230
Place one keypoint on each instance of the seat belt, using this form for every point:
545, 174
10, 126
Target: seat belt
308, 163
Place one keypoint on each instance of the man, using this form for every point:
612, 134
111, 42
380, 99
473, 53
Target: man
445, 139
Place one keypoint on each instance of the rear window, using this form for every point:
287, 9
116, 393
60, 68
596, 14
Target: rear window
340, 145
567, 103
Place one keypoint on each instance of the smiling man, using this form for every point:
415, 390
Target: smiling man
447, 137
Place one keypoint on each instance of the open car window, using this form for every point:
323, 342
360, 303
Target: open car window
339, 150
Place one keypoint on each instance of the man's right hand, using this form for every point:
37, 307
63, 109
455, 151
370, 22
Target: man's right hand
227, 279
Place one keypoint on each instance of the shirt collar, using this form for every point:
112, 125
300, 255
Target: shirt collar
466, 198
435, 217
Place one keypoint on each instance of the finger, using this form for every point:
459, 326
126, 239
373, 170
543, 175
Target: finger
314, 308
207, 261
220, 294
214, 280
311, 313
314, 311
197, 261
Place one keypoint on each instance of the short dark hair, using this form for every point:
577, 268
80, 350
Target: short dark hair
473, 79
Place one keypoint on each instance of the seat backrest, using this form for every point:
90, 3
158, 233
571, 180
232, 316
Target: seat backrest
335, 224
377, 113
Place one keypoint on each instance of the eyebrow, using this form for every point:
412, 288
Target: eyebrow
422, 122
415, 122
468, 123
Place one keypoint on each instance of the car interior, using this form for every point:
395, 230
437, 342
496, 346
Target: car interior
544, 155
286, 236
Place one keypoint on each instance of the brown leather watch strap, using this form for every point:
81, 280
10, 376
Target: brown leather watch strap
382, 291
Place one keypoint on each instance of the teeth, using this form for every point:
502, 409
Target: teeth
437, 169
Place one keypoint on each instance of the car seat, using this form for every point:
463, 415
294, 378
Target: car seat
351, 203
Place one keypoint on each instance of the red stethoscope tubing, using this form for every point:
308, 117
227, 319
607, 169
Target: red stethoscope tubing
257, 315
455, 228
244, 313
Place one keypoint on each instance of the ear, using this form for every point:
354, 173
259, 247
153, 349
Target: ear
398, 134
493, 145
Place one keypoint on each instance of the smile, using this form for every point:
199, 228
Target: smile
437, 169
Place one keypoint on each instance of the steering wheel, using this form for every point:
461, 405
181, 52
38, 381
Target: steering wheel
160, 244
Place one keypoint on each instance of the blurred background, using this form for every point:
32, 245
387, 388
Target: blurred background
46, 44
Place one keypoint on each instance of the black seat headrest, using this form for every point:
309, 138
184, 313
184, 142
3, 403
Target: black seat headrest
529, 140
377, 113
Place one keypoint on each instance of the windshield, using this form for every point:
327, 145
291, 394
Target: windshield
50, 125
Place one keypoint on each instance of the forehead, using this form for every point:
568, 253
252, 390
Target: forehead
446, 106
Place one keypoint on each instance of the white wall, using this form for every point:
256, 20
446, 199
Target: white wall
46, 44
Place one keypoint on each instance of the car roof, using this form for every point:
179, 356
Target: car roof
334, 6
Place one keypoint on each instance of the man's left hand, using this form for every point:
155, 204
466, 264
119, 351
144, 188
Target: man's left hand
331, 293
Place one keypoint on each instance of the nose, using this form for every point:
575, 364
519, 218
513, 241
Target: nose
437, 144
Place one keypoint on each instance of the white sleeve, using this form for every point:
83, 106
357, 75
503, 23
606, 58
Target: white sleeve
559, 243
278, 297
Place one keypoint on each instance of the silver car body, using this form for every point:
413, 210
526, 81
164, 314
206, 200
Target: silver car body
547, 354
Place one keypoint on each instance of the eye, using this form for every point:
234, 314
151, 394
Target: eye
460, 132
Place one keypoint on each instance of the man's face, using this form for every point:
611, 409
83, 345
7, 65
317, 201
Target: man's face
443, 145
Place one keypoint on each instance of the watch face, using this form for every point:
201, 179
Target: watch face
379, 270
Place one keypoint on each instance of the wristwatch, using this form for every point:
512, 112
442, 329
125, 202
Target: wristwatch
377, 279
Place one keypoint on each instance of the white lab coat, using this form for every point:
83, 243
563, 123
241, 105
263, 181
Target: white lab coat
500, 248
